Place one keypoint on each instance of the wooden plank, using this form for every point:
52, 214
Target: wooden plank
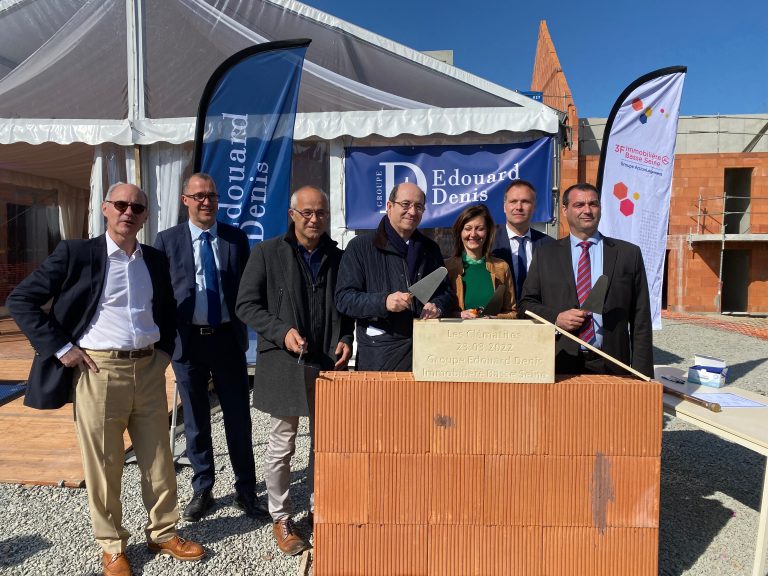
40, 446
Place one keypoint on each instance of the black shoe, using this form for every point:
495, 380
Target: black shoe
199, 506
251, 505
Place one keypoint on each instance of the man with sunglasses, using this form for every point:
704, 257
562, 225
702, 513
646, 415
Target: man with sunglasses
207, 259
376, 273
286, 296
105, 344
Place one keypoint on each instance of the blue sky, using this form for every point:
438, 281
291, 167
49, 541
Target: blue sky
602, 45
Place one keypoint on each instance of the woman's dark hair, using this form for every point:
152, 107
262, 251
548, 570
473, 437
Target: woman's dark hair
470, 213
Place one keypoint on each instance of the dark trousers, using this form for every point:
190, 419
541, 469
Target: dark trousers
217, 355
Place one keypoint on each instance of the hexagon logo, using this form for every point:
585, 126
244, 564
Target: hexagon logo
626, 207
620, 190
637, 104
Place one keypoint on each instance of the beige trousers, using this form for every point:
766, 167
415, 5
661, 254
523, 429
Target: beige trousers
126, 395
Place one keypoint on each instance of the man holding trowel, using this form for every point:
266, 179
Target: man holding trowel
563, 274
384, 283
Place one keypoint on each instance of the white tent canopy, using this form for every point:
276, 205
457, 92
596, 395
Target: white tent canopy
132, 72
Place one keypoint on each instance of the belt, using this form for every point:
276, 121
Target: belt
130, 354
209, 330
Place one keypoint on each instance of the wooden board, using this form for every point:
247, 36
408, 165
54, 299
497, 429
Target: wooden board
40, 446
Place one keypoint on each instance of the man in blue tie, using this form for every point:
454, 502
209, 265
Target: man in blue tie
207, 259
515, 241
561, 277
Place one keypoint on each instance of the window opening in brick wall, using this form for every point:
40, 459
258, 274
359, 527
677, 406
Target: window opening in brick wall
738, 192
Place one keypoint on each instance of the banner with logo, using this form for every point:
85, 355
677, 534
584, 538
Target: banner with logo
635, 171
452, 177
244, 135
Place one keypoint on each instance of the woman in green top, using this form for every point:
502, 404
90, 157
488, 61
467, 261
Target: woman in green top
473, 272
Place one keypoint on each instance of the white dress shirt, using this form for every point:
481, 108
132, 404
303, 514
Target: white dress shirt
514, 245
200, 316
123, 318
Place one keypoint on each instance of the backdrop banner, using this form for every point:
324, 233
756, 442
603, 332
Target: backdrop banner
635, 170
452, 177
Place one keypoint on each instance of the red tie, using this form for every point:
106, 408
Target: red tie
583, 288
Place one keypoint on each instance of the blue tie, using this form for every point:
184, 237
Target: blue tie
522, 265
211, 279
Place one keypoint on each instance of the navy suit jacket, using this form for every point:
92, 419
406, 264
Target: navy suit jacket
550, 288
73, 276
502, 248
233, 252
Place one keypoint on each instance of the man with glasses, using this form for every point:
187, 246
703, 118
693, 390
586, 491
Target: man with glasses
286, 296
376, 273
207, 259
105, 344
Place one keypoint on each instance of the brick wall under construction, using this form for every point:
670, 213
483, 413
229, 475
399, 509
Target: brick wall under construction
452, 478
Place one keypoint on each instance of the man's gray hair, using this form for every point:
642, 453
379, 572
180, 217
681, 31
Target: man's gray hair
299, 189
111, 189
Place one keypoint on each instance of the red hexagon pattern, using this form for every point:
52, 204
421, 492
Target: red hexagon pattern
620, 190
627, 207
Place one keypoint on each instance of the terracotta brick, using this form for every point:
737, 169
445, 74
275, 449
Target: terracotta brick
486, 551
601, 491
399, 490
513, 492
610, 415
578, 551
341, 488
370, 550
513, 418
456, 486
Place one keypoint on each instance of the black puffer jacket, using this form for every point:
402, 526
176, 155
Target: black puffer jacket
370, 270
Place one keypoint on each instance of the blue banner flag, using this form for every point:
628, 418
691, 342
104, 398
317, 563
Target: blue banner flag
245, 135
452, 177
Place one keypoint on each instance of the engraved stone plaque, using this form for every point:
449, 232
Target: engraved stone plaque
483, 350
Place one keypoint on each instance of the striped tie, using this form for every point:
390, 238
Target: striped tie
583, 288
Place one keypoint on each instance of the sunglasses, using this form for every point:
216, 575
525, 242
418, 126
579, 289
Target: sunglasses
121, 206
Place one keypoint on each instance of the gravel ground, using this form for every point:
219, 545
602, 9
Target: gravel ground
710, 496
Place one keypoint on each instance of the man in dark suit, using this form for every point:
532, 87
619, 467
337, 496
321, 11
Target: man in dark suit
561, 276
286, 296
207, 259
515, 242
105, 344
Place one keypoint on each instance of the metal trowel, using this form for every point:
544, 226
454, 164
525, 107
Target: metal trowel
596, 298
425, 288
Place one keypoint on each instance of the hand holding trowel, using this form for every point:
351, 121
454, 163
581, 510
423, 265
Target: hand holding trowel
494, 306
422, 290
596, 298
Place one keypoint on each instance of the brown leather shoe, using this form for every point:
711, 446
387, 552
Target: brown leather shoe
178, 548
115, 564
287, 540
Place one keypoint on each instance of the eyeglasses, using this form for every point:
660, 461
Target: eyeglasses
307, 214
405, 205
121, 206
202, 197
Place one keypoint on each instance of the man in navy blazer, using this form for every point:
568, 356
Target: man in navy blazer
519, 205
211, 342
105, 344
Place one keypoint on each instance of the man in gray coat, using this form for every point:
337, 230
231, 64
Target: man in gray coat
286, 295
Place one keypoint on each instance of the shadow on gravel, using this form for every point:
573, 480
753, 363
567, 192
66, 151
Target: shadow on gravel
17, 549
663, 357
694, 466
736, 371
